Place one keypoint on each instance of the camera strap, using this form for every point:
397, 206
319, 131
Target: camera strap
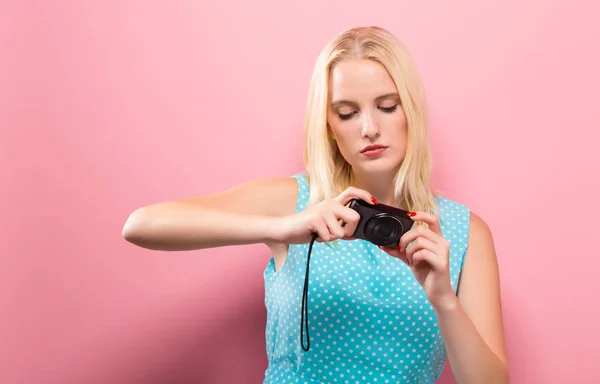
304, 310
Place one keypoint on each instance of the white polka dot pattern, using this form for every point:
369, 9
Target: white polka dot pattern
369, 319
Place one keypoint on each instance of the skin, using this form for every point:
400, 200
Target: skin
471, 323
363, 109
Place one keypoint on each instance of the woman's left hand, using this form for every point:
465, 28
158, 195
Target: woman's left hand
427, 256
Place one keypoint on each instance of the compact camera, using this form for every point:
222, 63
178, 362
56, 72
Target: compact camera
380, 224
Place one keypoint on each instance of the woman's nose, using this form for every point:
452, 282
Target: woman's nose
370, 128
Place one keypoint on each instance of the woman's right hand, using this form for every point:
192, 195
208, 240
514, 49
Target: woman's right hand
325, 219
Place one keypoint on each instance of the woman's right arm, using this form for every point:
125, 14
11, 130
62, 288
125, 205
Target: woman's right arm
245, 214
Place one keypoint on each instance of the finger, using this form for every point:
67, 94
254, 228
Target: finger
425, 255
349, 230
319, 226
333, 225
395, 253
417, 232
348, 219
353, 192
347, 215
429, 218
421, 243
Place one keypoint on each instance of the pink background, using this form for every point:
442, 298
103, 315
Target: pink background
108, 106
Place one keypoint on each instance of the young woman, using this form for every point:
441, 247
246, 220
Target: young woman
373, 313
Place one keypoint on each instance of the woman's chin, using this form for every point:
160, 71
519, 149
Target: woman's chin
380, 167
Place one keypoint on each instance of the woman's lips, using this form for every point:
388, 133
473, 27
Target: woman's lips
373, 150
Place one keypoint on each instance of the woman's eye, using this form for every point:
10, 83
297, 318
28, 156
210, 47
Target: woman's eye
389, 109
348, 116
345, 116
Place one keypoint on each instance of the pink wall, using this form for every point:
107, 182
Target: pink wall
106, 106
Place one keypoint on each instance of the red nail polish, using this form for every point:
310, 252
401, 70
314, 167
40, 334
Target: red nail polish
411, 214
374, 200
399, 248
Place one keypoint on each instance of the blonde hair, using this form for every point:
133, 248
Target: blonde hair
329, 173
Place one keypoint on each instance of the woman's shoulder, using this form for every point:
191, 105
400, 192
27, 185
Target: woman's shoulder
454, 216
457, 215
449, 205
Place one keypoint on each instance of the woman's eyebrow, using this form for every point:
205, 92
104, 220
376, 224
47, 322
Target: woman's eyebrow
337, 103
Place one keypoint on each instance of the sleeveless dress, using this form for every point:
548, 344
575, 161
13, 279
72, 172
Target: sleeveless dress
369, 319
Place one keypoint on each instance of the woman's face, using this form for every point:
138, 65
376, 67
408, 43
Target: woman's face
365, 117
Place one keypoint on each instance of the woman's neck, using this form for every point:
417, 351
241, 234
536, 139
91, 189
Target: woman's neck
381, 186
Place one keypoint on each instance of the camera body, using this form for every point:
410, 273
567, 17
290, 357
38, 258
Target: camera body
380, 224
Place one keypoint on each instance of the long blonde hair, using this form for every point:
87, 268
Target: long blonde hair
329, 173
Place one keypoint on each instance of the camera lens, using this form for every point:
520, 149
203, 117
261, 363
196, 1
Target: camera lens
383, 229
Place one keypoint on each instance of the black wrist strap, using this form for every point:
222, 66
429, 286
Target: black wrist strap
304, 310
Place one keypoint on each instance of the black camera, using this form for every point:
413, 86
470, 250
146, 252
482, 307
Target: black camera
380, 224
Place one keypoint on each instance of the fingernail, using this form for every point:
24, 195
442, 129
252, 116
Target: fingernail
399, 248
374, 200
411, 214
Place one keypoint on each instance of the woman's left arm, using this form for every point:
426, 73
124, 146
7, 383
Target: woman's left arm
470, 321
471, 324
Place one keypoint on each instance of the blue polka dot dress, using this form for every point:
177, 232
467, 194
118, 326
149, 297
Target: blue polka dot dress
369, 319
